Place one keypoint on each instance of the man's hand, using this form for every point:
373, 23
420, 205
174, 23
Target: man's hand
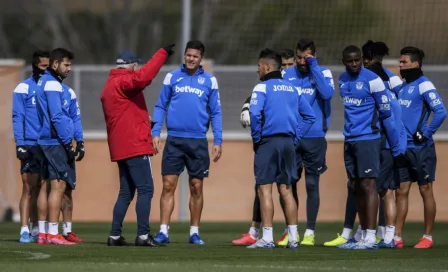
22, 153
70, 150
156, 144
419, 138
80, 150
309, 56
216, 153
245, 116
169, 49
401, 161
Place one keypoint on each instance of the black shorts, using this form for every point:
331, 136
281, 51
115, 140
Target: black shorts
275, 161
362, 158
388, 177
186, 152
33, 163
422, 165
56, 165
310, 154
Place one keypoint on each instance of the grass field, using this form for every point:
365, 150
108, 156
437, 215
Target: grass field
218, 254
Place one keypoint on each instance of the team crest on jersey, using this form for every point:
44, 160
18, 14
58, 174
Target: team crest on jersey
384, 99
432, 96
201, 80
411, 89
359, 85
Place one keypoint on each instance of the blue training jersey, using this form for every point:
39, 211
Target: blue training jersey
74, 112
25, 122
190, 103
277, 108
53, 110
394, 85
317, 87
366, 102
418, 99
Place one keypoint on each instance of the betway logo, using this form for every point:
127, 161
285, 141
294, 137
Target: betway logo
309, 91
188, 89
284, 88
405, 103
351, 100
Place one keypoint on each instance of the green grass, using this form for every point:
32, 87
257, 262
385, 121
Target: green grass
218, 254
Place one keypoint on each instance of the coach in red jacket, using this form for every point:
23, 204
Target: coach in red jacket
129, 139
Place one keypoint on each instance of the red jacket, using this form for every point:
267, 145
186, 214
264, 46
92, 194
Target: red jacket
125, 111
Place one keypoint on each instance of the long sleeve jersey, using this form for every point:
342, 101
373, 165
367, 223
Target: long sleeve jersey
25, 122
366, 102
53, 109
276, 107
190, 103
74, 112
317, 87
417, 100
394, 85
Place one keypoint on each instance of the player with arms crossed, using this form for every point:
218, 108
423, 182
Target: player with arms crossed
418, 98
190, 100
366, 102
275, 131
26, 132
317, 87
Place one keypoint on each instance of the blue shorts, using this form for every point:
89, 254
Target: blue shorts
310, 154
186, 152
422, 165
275, 161
362, 158
388, 177
56, 165
33, 163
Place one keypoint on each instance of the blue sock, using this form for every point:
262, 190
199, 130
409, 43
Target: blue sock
312, 200
381, 216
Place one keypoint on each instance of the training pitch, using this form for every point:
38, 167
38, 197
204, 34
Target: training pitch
218, 254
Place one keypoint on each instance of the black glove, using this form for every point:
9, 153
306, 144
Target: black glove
70, 150
169, 49
401, 161
80, 150
22, 152
419, 138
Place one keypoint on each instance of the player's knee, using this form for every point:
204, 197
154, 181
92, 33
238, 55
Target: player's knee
196, 189
312, 187
59, 186
402, 192
425, 190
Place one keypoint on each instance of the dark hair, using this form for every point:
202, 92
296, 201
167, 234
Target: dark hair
271, 55
304, 44
39, 54
198, 45
59, 54
371, 50
350, 49
414, 53
286, 53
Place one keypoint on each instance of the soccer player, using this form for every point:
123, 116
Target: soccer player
55, 138
130, 141
275, 131
366, 102
67, 200
189, 99
418, 98
317, 87
26, 131
373, 54
250, 237
288, 60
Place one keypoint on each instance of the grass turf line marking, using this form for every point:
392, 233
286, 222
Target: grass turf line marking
34, 255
